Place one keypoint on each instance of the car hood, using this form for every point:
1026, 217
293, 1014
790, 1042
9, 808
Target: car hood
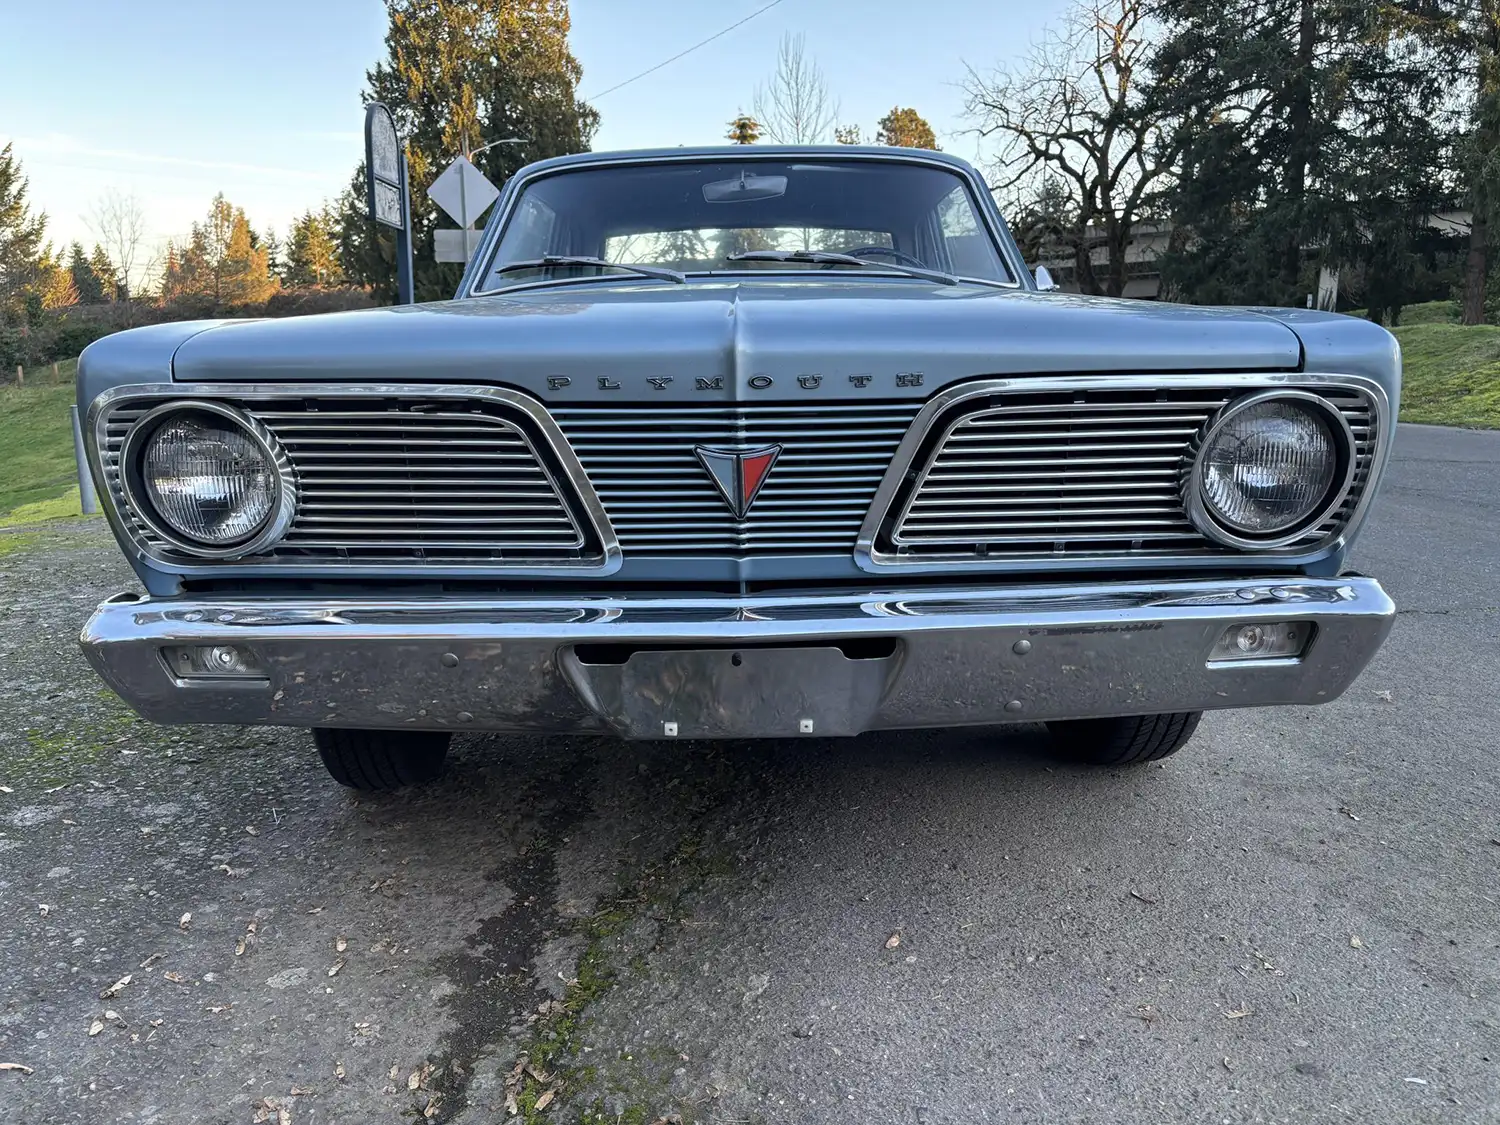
740, 339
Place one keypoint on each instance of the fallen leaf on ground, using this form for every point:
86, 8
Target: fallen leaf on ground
340, 943
432, 1107
333, 970
254, 831
217, 1008
545, 1100
6, 789
22, 1067
1418, 1081
271, 1110
239, 947
669, 1119
174, 977
96, 1027
1348, 812
113, 1016
338, 1070
1237, 1014
185, 921
114, 989
302, 1091
1225, 1061
1383, 696
894, 940
316, 910
1355, 943
43, 909
149, 961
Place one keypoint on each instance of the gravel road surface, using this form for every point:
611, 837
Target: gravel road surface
1293, 920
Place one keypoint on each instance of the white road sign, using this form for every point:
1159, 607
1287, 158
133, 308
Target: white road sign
455, 245
463, 192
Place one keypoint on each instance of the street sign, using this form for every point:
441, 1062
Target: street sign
388, 197
463, 192
383, 168
455, 245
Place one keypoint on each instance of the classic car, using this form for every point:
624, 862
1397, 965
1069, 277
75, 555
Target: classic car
739, 442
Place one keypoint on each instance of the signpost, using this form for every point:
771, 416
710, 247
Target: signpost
389, 196
464, 193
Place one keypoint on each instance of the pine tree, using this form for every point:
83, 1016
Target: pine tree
905, 128
22, 249
221, 261
312, 256
459, 73
85, 282
744, 130
106, 274
1318, 134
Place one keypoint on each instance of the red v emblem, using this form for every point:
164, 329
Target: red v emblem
738, 472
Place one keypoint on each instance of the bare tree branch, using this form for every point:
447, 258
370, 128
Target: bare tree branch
794, 107
119, 223
1071, 114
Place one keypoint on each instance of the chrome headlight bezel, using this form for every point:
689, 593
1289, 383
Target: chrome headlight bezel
276, 523
1200, 510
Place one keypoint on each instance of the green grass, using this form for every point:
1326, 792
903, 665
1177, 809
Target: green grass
36, 444
1452, 374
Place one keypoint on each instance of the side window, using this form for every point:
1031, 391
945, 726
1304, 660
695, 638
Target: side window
968, 244
530, 234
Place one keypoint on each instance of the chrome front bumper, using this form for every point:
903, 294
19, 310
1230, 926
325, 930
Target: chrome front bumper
736, 667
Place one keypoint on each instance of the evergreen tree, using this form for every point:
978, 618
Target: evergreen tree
1317, 145
847, 135
107, 275
744, 130
905, 128
221, 261
459, 73
312, 252
86, 283
22, 250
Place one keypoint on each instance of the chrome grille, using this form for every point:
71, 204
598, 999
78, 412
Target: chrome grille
1080, 473
436, 480
661, 501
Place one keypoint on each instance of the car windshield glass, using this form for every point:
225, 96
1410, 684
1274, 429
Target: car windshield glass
694, 217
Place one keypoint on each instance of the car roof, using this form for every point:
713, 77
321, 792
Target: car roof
752, 152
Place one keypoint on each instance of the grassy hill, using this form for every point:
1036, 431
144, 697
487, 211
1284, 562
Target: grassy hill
37, 472
1452, 372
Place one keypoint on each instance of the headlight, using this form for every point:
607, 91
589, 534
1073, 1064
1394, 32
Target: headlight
208, 479
1269, 467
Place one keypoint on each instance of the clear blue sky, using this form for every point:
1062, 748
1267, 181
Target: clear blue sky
175, 100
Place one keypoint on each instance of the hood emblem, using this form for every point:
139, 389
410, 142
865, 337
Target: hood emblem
738, 472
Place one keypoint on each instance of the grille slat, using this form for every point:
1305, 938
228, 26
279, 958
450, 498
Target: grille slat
661, 502
1093, 474
426, 481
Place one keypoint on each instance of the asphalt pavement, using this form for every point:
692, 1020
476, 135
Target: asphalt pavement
1293, 920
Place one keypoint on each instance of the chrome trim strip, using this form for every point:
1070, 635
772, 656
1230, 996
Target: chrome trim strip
501, 663
277, 522
871, 559
1197, 508
557, 446
983, 201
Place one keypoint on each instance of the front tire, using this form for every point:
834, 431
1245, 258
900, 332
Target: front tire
377, 761
1130, 740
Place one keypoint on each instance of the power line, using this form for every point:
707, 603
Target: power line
680, 54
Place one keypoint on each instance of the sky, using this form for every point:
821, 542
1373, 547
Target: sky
175, 100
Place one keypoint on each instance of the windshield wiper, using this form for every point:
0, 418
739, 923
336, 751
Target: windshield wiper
658, 272
829, 257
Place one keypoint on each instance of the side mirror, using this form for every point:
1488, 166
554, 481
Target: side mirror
1044, 280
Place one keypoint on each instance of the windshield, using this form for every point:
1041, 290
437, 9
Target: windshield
695, 217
